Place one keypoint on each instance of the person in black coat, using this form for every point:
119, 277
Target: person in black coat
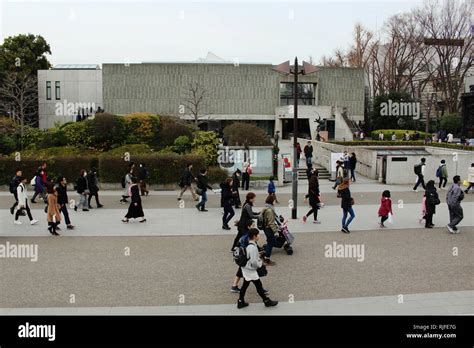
227, 199
82, 188
313, 195
63, 201
135, 209
202, 185
186, 179
352, 165
235, 188
432, 200
93, 180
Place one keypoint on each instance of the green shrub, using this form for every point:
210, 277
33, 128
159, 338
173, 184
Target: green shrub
58, 151
53, 138
141, 128
182, 144
387, 133
205, 144
171, 128
132, 149
7, 144
79, 134
32, 138
108, 130
246, 134
217, 174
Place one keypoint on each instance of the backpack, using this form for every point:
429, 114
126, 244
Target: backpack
438, 172
13, 185
261, 223
122, 182
33, 181
240, 256
417, 169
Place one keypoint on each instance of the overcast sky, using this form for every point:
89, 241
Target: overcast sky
108, 31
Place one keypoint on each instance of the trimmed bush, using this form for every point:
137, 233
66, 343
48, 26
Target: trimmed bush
217, 174
132, 149
141, 127
108, 130
171, 128
182, 144
59, 151
79, 134
387, 133
205, 144
246, 134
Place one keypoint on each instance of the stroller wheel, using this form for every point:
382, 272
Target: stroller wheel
289, 250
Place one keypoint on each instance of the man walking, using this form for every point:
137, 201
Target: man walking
420, 173
308, 153
13, 188
453, 199
185, 182
41, 179
63, 201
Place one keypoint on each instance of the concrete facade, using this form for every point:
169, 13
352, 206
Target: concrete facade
78, 88
244, 92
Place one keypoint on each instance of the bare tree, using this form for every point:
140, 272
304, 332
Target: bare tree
449, 21
194, 101
18, 92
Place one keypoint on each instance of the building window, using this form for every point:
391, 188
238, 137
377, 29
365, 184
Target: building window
48, 90
306, 93
57, 90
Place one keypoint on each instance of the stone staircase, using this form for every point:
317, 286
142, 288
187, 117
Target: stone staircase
323, 172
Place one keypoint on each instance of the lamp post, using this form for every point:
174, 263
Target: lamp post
295, 71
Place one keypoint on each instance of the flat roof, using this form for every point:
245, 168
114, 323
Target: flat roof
76, 67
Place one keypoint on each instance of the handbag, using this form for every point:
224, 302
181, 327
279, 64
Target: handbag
352, 201
262, 271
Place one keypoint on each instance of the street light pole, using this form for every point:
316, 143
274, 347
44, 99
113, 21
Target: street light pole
295, 142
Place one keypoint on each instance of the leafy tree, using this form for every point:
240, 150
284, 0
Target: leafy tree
246, 134
451, 123
107, 130
205, 144
171, 128
378, 121
182, 144
141, 127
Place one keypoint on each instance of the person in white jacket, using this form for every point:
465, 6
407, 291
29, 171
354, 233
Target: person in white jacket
22, 194
470, 177
250, 273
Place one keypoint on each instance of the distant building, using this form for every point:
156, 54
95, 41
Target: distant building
68, 90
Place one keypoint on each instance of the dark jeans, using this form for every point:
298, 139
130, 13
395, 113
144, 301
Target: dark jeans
42, 194
420, 181
28, 211
202, 204
258, 285
455, 215
428, 219
228, 214
93, 194
314, 210
469, 187
66, 214
345, 224
237, 201
270, 242
353, 174
16, 200
443, 182
245, 181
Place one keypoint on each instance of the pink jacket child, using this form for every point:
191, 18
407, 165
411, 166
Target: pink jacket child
423, 210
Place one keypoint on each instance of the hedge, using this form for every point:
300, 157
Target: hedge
163, 168
387, 133
402, 143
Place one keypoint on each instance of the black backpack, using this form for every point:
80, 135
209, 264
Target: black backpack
417, 169
240, 256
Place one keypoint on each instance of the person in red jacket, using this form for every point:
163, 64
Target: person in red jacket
385, 207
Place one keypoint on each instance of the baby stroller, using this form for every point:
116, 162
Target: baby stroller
285, 238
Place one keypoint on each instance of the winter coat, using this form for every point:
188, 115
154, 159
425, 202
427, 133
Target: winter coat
82, 184
247, 215
444, 171
385, 206
346, 198
22, 195
226, 195
235, 183
249, 271
270, 218
432, 200
53, 208
454, 196
352, 162
62, 194
271, 187
186, 178
313, 190
202, 183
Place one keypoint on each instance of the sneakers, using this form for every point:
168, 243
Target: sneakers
316, 222
269, 262
345, 230
100, 206
197, 207
12, 209
270, 303
242, 304
235, 289
70, 227
381, 225
204, 209
33, 222
304, 218
226, 227
450, 229
85, 209
415, 190
16, 222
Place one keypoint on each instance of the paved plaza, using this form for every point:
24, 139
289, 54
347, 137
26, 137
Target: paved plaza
178, 262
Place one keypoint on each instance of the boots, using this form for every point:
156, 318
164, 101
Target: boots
241, 304
270, 303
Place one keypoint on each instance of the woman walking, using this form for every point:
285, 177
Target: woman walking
53, 213
250, 273
352, 165
313, 195
431, 201
135, 209
235, 188
346, 204
271, 227
246, 218
385, 207
226, 202
22, 195
82, 188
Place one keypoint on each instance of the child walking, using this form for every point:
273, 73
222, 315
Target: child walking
385, 207
272, 189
